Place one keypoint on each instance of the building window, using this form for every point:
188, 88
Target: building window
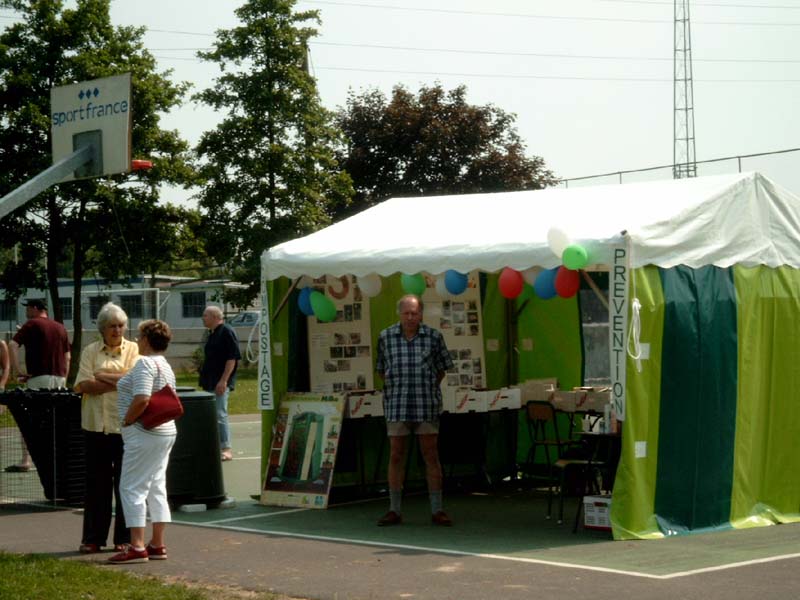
194, 303
133, 305
8, 310
95, 304
594, 321
66, 308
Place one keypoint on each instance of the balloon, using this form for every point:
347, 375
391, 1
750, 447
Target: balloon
575, 257
324, 308
567, 282
370, 285
527, 292
304, 301
545, 286
557, 239
456, 282
510, 283
413, 284
529, 275
441, 287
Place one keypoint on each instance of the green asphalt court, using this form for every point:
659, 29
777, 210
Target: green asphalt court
503, 524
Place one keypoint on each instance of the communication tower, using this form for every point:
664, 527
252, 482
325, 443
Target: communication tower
684, 163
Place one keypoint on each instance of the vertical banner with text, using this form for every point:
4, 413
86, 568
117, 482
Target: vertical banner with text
266, 400
618, 323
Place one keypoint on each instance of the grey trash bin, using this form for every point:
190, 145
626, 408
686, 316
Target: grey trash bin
194, 474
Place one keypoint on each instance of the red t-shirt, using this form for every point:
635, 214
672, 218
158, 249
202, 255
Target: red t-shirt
46, 345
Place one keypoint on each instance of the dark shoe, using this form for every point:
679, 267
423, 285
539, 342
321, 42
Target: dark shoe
156, 553
130, 555
18, 468
390, 518
441, 518
89, 548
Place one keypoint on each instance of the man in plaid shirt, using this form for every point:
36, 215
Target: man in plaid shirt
412, 361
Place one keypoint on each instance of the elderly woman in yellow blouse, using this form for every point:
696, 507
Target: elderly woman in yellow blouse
102, 364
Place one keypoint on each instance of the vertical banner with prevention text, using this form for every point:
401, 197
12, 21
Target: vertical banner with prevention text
618, 325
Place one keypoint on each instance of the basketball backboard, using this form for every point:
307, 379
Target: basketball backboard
97, 112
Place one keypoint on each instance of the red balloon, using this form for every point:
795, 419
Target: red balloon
568, 282
510, 283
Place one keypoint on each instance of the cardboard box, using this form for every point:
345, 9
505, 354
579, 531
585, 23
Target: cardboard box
537, 390
597, 512
596, 400
510, 398
364, 404
464, 401
569, 401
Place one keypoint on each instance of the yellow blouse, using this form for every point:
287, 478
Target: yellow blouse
99, 411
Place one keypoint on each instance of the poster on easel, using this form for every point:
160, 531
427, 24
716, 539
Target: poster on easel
459, 319
340, 351
303, 452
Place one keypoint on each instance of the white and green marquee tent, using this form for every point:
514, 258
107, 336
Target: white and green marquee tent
712, 416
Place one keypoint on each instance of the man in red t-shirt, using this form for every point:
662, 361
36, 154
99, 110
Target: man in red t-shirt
47, 356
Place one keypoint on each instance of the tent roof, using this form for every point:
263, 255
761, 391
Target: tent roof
721, 220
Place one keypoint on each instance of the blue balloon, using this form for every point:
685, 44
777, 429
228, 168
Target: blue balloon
304, 301
455, 282
545, 284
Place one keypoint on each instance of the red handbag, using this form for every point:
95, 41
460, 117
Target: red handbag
164, 406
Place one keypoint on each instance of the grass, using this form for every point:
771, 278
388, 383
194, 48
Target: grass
244, 399
43, 578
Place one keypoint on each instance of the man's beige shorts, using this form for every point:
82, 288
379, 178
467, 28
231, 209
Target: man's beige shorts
400, 428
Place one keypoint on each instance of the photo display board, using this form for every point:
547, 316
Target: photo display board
303, 452
340, 352
460, 321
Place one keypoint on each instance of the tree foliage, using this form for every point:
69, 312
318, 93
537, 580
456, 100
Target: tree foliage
269, 168
112, 226
431, 143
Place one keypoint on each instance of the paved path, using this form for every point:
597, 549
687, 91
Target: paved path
330, 570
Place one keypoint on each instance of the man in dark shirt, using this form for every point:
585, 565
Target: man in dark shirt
47, 356
218, 373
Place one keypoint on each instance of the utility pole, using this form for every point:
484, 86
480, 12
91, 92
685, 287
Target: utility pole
684, 162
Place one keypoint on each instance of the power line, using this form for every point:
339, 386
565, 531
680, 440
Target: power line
518, 54
543, 17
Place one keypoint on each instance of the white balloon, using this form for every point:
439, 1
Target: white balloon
370, 285
441, 287
557, 239
304, 282
529, 275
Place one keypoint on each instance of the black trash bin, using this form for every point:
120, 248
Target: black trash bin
50, 423
194, 474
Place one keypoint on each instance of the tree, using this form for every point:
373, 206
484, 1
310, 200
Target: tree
269, 166
432, 143
112, 226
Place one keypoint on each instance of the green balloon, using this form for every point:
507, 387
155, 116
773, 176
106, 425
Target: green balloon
413, 284
575, 257
527, 292
323, 307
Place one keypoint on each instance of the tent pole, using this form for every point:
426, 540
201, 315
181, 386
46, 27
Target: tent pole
597, 291
285, 298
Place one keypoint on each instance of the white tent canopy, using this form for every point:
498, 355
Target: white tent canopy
722, 220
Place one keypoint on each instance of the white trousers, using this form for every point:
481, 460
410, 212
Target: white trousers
143, 482
46, 382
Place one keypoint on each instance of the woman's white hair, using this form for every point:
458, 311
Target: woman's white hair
110, 312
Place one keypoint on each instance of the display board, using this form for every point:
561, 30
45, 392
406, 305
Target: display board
340, 352
303, 452
459, 320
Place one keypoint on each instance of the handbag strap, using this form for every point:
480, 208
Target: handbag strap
158, 369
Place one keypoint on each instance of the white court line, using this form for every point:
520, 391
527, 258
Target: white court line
258, 516
538, 561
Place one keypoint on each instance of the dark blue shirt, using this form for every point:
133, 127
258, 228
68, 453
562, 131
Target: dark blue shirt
222, 345
410, 371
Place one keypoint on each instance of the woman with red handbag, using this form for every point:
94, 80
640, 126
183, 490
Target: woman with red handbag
143, 483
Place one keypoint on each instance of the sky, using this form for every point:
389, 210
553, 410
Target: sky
590, 81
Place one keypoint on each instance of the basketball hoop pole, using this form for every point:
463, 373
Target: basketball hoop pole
47, 178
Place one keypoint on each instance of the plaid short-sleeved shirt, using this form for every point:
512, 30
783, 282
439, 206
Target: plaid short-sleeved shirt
410, 370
